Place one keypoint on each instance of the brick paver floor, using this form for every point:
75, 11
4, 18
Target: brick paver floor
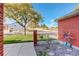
56, 49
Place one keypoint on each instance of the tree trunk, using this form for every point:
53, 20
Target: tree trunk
25, 30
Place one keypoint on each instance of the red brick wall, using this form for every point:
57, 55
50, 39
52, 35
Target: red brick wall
69, 25
1, 29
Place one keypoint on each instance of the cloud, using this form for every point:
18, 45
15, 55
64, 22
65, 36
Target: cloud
52, 23
52, 20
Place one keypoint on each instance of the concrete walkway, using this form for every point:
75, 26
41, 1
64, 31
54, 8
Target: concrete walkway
19, 49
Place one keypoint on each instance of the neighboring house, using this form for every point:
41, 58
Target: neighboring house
6, 28
69, 23
12, 28
53, 28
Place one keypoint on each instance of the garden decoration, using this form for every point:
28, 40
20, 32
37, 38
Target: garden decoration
49, 42
43, 53
41, 36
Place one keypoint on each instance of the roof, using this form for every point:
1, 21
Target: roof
71, 14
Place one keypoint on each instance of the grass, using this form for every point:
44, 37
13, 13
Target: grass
9, 39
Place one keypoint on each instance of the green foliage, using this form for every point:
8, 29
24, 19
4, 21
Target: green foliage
42, 53
44, 26
22, 13
77, 7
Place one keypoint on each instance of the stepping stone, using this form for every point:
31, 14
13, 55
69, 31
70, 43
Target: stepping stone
68, 55
51, 53
59, 47
69, 50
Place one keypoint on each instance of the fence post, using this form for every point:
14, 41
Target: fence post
1, 29
35, 37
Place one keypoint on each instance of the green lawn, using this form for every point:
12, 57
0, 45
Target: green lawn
8, 39
17, 38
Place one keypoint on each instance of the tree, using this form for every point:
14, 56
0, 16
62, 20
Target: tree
44, 26
22, 14
76, 7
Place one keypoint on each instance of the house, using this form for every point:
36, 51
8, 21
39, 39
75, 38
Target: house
12, 28
69, 23
5, 28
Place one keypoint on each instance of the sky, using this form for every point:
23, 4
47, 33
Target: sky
52, 11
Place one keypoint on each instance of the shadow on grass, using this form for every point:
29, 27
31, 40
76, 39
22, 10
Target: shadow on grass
47, 39
15, 41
